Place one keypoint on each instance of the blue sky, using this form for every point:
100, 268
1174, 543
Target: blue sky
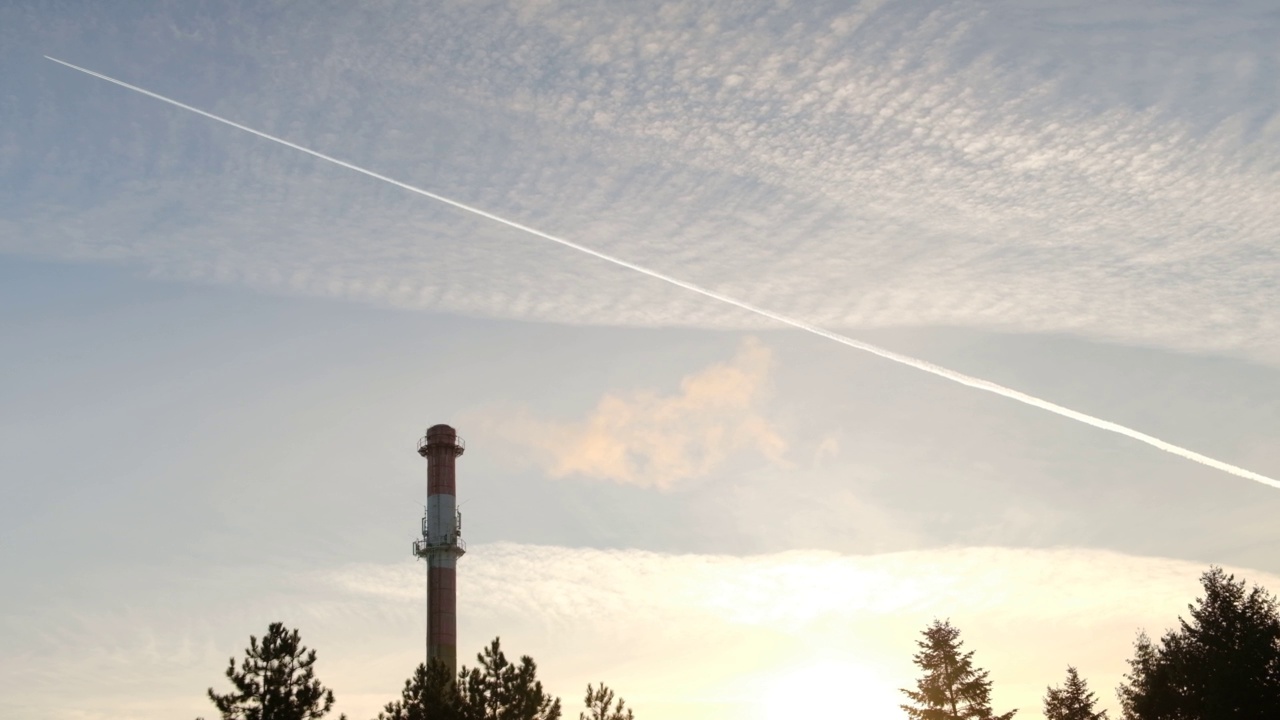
219, 352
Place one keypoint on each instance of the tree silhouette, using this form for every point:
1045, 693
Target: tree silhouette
430, 694
275, 681
1222, 663
501, 690
1072, 701
951, 688
600, 706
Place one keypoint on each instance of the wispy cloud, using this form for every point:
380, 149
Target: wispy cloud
737, 623
1028, 613
657, 440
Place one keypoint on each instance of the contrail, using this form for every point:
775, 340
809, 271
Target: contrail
907, 360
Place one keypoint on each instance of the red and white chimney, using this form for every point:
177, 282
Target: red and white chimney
441, 544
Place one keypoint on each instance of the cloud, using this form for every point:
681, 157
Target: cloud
736, 624
1027, 613
828, 448
1055, 169
651, 440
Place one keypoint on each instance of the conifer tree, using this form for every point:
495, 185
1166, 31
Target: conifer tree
1224, 662
951, 688
276, 681
1072, 701
430, 694
502, 690
600, 706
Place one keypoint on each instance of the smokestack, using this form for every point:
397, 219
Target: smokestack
441, 544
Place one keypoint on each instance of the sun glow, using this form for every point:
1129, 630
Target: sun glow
828, 689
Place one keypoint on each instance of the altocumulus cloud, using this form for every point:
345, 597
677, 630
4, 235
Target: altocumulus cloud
1049, 169
653, 440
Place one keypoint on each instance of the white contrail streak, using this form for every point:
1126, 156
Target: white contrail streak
926, 366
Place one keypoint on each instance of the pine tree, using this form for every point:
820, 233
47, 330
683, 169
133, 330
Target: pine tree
600, 706
275, 681
1147, 695
1224, 662
1072, 701
501, 690
951, 688
429, 695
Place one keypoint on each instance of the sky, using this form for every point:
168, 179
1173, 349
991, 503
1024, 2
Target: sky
219, 353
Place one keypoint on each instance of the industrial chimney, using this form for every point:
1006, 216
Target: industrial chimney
441, 544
